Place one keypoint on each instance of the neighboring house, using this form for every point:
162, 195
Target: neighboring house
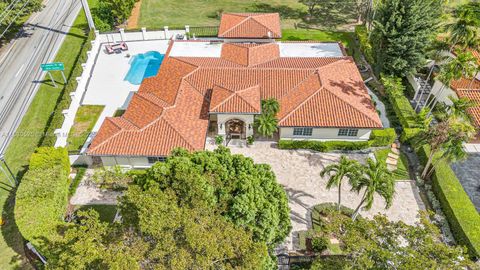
193, 98
465, 87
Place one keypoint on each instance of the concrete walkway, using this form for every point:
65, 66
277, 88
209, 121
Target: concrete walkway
298, 171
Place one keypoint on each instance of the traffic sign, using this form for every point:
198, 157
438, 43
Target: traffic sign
52, 66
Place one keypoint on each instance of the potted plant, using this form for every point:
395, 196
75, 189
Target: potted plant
218, 139
250, 140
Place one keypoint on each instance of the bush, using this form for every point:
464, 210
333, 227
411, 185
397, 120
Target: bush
326, 146
320, 243
404, 111
41, 198
48, 157
461, 214
362, 36
408, 134
57, 118
218, 139
383, 137
76, 181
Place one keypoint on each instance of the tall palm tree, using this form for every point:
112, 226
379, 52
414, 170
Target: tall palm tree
460, 106
376, 179
464, 65
345, 169
463, 31
270, 106
266, 124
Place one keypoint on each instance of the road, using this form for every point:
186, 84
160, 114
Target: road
20, 72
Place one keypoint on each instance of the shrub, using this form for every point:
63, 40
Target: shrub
250, 140
362, 35
323, 146
41, 200
320, 243
461, 214
48, 157
408, 134
76, 181
218, 139
383, 137
404, 111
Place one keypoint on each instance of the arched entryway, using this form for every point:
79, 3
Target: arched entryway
235, 129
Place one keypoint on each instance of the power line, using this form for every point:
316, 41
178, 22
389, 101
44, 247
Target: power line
9, 8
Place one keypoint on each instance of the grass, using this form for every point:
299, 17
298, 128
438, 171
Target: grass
106, 211
76, 181
401, 173
27, 138
178, 13
83, 124
313, 34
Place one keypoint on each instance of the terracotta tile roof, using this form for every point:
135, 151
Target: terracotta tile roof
241, 101
250, 54
250, 25
171, 109
473, 95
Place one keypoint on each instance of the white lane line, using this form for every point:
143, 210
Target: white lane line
20, 69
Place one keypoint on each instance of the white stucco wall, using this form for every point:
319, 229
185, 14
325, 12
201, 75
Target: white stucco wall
223, 118
133, 162
325, 134
443, 94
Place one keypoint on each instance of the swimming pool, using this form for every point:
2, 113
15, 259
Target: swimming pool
143, 65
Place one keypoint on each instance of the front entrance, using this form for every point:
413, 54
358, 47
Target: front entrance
235, 129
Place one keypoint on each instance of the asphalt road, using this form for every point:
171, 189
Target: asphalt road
20, 71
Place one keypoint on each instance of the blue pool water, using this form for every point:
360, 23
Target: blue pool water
144, 65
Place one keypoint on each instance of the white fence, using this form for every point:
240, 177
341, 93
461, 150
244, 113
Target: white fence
88, 66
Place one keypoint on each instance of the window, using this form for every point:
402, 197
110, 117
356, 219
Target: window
304, 131
348, 132
152, 160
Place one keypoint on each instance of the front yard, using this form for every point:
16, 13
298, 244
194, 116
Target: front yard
298, 171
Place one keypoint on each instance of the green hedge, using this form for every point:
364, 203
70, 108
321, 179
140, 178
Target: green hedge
362, 36
408, 134
41, 198
323, 146
383, 137
461, 214
64, 100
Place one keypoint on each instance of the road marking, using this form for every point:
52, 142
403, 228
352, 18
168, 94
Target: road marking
20, 69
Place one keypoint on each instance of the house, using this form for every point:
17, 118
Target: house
320, 91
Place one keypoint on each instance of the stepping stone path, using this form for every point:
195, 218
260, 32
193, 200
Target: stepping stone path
393, 156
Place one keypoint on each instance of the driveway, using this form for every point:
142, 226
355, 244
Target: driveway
298, 171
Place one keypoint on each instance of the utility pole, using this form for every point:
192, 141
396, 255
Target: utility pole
88, 14
2, 159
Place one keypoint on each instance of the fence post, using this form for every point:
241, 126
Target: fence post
144, 33
187, 28
122, 34
165, 29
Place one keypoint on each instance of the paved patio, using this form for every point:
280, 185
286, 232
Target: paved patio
469, 176
299, 172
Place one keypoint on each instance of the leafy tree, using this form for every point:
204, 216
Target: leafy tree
376, 179
344, 169
245, 193
156, 233
402, 32
383, 244
112, 12
312, 6
460, 107
471, 10
17, 11
270, 106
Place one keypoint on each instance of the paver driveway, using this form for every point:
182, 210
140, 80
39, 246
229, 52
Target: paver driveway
299, 173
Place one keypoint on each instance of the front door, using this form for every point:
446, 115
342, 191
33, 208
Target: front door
235, 129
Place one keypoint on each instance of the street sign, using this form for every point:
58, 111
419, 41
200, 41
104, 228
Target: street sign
52, 66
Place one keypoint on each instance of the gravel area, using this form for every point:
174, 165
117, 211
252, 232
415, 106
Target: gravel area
88, 193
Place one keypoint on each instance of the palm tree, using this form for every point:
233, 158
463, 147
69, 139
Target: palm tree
460, 106
463, 31
464, 65
266, 124
344, 169
376, 179
270, 106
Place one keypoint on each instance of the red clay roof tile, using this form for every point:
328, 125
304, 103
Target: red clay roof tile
250, 25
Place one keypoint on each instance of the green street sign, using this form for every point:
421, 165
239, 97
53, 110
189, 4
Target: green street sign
52, 66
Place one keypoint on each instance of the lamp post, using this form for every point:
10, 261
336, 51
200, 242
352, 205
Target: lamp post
2, 159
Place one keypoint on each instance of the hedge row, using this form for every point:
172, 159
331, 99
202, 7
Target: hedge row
323, 146
64, 100
362, 36
461, 214
41, 198
383, 137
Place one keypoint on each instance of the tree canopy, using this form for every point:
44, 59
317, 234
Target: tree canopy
402, 31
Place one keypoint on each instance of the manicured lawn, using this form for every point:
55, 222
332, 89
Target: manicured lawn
29, 135
313, 34
178, 13
401, 173
107, 212
85, 120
